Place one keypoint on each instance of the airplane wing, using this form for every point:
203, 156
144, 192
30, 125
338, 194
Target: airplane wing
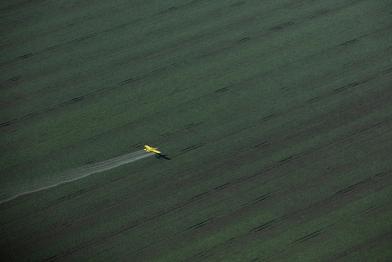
156, 151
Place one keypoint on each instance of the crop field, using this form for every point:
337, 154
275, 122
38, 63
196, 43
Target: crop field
276, 116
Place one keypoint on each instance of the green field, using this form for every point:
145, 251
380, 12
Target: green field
276, 114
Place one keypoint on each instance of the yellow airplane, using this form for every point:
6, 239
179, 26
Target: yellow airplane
151, 149
155, 151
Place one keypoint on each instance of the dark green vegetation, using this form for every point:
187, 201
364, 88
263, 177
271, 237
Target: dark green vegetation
277, 115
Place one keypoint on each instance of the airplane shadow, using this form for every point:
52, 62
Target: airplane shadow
162, 156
